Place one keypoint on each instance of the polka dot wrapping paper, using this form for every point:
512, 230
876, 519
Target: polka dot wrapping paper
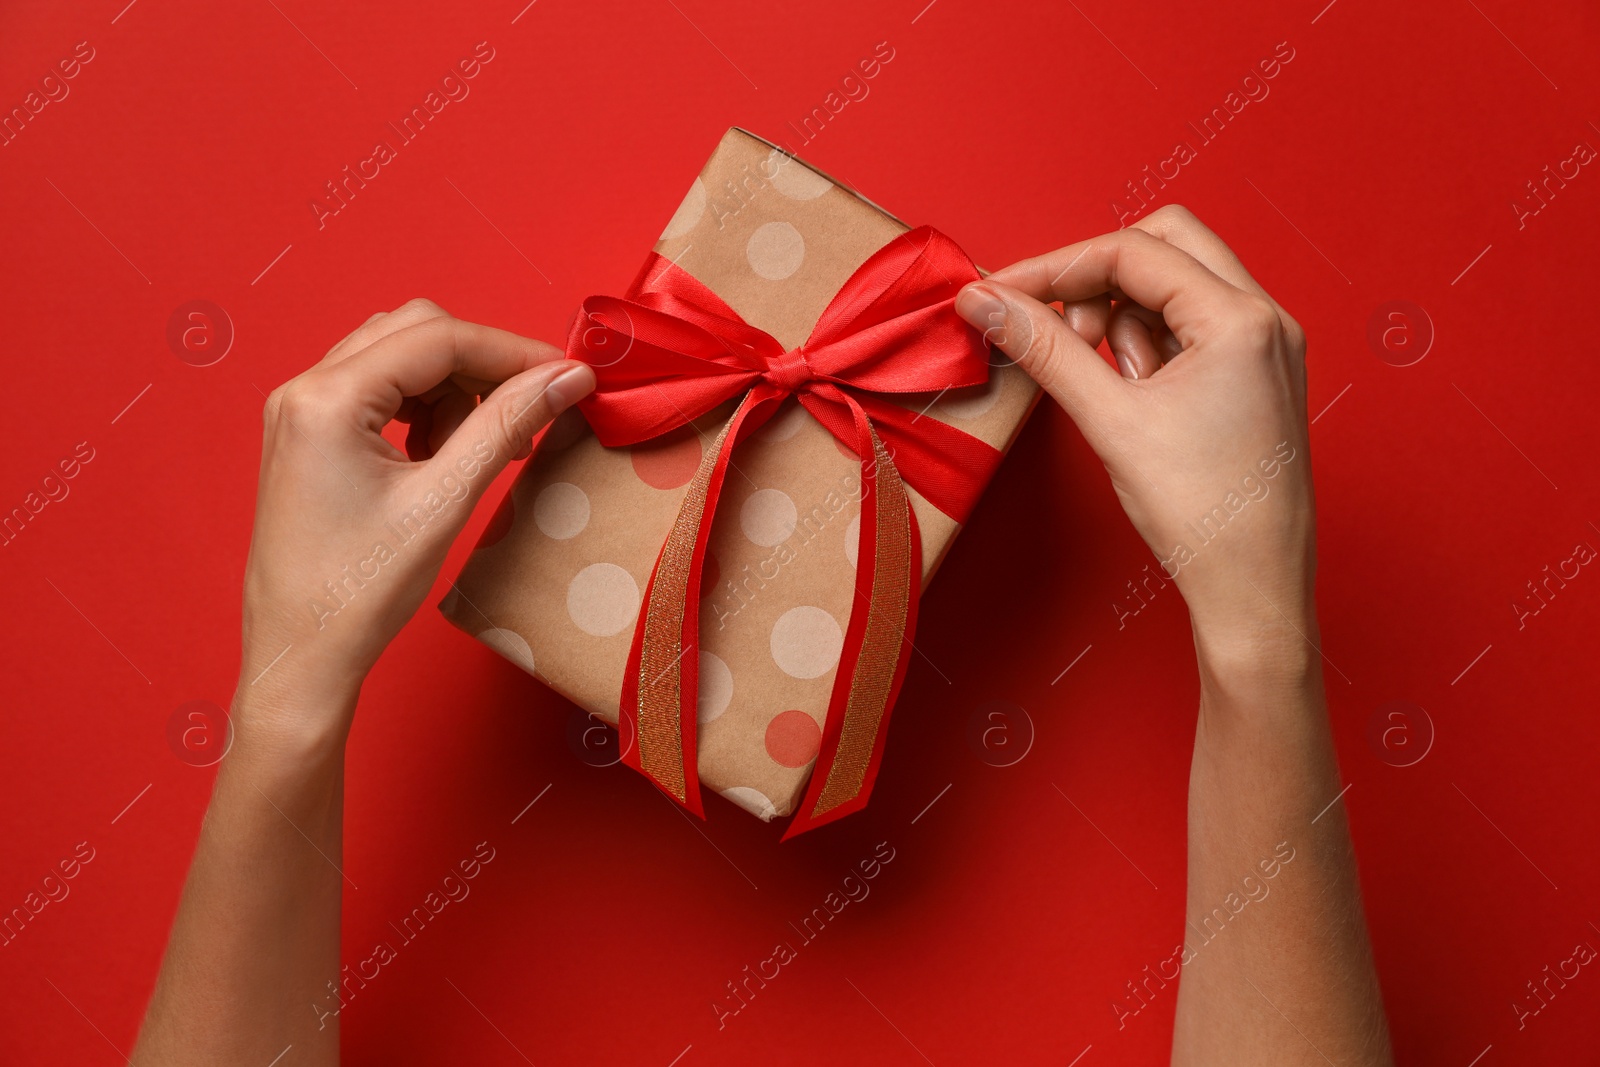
555, 584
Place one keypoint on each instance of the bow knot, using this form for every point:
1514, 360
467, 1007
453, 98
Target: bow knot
790, 371
673, 351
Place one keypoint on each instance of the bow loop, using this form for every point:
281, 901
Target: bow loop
892, 327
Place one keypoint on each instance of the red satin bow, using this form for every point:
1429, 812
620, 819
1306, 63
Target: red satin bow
672, 351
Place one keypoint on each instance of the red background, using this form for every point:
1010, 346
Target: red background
1385, 159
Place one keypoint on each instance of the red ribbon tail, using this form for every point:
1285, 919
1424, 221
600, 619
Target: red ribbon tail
836, 788
628, 717
661, 683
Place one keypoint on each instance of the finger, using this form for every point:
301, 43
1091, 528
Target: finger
457, 383
417, 358
1166, 343
382, 325
1142, 267
1130, 337
1038, 341
1088, 317
1178, 226
448, 415
418, 433
432, 419
500, 428
376, 315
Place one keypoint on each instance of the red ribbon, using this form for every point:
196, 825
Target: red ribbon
671, 351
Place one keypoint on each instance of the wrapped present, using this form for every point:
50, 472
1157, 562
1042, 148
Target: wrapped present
721, 550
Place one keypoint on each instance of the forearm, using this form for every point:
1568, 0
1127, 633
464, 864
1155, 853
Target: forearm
1277, 968
256, 939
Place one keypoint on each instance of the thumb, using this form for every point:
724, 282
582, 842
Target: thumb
502, 427
1041, 343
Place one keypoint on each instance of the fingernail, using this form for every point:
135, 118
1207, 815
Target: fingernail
980, 307
1125, 365
570, 386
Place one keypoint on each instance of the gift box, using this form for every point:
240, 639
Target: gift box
783, 328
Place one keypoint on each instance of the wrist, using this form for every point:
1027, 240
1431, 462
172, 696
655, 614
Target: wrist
290, 725
1266, 658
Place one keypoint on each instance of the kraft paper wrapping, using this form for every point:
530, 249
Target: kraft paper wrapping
555, 584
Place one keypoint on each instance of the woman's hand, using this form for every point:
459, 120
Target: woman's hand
349, 532
1204, 430
349, 536
1204, 434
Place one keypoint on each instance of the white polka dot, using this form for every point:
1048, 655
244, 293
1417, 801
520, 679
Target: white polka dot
785, 424
852, 540
716, 688
793, 178
689, 212
775, 251
768, 517
752, 800
971, 402
561, 510
806, 642
603, 599
509, 644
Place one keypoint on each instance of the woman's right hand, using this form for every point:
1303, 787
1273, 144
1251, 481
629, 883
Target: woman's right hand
350, 532
1204, 430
